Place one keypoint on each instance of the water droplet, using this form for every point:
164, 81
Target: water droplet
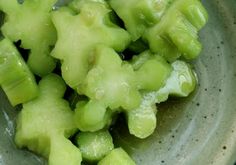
54, 8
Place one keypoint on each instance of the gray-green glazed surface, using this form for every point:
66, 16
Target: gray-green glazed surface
199, 130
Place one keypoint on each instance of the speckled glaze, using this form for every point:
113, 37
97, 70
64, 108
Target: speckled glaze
198, 130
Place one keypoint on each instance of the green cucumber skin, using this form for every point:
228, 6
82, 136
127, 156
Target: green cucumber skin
168, 26
16, 79
177, 32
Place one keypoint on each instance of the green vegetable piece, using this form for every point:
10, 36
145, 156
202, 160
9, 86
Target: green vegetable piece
64, 152
181, 82
110, 81
176, 33
194, 11
113, 84
117, 157
142, 120
79, 34
16, 79
138, 15
92, 116
30, 22
94, 145
40, 62
138, 60
45, 123
153, 72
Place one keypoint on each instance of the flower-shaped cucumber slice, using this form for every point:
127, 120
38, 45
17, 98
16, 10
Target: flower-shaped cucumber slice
180, 83
138, 15
30, 22
79, 34
177, 32
45, 123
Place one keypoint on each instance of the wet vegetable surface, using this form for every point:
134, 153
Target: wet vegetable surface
198, 130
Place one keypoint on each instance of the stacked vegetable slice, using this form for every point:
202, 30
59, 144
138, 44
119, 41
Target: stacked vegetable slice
88, 39
31, 24
16, 79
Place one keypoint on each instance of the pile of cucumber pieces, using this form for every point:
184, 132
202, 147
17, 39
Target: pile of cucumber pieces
115, 56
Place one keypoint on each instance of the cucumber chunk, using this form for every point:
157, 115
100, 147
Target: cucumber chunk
64, 152
142, 121
31, 23
79, 34
152, 73
112, 84
138, 15
16, 79
45, 123
92, 116
111, 81
176, 33
181, 82
117, 157
94, 145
